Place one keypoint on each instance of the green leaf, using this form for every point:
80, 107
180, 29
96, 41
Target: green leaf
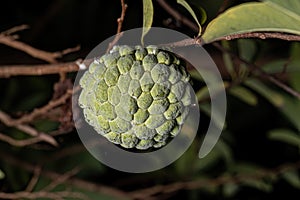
279, 66
188, 7
244, 94
147, 17
271, 15
291, 109
2, 175
230, 189
247, 49
217, 118
208, 161
258, 184
288, 105
286, 136
202, 10
225, 151
228, 60
293, 178
275, 98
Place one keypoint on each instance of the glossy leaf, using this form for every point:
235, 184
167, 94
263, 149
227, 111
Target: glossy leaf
147, 17
271, 15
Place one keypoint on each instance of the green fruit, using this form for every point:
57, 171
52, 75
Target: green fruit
136, 97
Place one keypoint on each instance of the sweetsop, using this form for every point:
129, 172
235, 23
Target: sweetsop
136, 97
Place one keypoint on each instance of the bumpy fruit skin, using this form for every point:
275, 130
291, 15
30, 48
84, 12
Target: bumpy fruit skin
136, 97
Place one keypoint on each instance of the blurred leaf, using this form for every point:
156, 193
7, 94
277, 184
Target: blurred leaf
2, 175
244, 168
226, 151
217, 118
147, 17
291, 105
294, 80
230, 189
188, 7
272, 96
202, 93
286, 136
247, 49
293, 178
196, 75
93, 195
228, 60
244, 94
269, 15
188, 157
295, 51
258, 184
278, 66
291, 109
249, 169
31, 101
208, 161
288, 105
46, 125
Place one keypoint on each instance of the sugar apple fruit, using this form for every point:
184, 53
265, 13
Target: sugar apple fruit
136, 97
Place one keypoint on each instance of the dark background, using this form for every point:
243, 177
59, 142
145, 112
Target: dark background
60, 24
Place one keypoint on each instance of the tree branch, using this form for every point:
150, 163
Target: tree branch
19, 143
120, 21
261, 73
10, 40
33, 181
49, 57
40, 111
8, 121
15, 29
178, 16
197, 184
38, 70
42, 194
62, 179
76, 182
263, 35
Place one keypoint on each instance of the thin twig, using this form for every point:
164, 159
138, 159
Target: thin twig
262, 35
62, 179
8, 121
76, 182
178, 16
42, 194
34, 179
49, 57
40, 111
196, 184
120, 21
281, 85
36, 53
38, 70
19, 143
15, 29
260, 72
